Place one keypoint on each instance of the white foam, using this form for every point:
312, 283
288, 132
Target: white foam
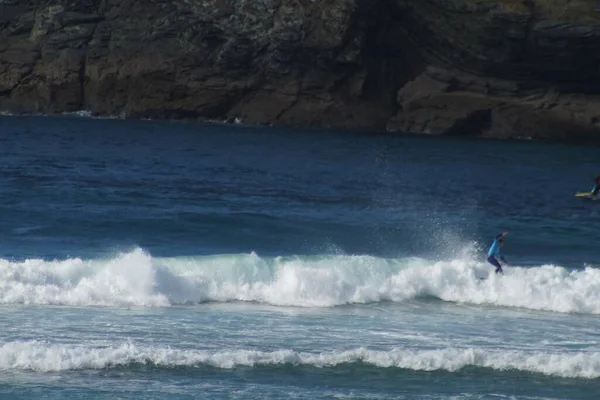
136, 278
39, 356
125, 280
79, 113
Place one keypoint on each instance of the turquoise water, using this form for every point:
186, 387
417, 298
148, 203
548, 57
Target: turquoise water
157, 260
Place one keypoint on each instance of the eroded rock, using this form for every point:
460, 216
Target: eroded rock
507, 68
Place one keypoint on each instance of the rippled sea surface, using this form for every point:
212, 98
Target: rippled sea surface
168, 260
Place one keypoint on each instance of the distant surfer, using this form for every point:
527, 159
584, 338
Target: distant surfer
494, 253
596, 186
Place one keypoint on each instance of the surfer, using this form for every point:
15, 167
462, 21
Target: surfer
494, 253
596, 186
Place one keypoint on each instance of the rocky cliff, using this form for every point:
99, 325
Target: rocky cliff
506, 68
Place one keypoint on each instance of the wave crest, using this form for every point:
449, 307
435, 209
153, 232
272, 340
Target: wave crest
38, 356
138, 279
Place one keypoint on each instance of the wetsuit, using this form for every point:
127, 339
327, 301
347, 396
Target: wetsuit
597, 186
494, 253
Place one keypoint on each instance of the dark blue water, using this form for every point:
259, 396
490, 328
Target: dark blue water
171, 260
176, 188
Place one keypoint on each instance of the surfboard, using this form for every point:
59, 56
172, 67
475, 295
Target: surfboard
587, 196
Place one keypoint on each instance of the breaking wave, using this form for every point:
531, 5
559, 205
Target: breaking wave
42, 357
137, 279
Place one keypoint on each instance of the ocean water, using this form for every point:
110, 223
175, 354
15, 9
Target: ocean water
170, 260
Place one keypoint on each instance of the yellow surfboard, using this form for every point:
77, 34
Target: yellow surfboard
587, 196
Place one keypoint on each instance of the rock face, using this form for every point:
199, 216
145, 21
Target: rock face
508, 68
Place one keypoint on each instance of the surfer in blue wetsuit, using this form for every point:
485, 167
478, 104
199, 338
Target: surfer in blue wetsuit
494, 253
596, 186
